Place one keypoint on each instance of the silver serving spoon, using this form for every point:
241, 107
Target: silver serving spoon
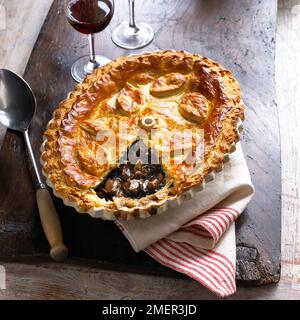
17, 108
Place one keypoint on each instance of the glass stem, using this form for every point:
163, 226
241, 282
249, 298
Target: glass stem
92, 48
131, 14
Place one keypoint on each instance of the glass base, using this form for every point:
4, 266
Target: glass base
83, 67
128, 37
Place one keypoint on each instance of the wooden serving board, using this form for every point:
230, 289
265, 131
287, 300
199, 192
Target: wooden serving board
238, 34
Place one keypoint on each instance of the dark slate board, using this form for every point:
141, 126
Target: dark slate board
238, 34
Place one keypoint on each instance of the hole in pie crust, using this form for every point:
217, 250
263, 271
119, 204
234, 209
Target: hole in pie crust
133, 179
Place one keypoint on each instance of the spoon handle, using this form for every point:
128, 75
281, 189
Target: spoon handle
33, 162
51, 225
47, 211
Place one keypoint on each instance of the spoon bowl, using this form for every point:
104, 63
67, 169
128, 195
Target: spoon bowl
17, 102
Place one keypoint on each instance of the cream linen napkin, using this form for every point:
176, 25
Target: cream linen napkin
198, 238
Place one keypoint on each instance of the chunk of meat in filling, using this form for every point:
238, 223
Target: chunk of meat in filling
132, 180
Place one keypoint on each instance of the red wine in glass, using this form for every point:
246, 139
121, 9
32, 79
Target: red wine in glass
88, 17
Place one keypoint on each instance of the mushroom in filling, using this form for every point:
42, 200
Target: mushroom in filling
132, 180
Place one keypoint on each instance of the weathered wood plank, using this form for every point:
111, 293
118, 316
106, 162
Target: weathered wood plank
288, 89
48, 280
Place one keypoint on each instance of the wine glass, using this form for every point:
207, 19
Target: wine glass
88, 17
132, 34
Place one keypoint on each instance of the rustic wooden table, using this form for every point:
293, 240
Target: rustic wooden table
49, 280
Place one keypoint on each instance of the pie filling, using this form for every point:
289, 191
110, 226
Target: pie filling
133, 179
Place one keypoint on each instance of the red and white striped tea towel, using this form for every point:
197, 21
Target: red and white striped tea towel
198, 238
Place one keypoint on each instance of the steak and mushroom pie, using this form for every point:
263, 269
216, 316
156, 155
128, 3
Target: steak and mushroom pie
141, 131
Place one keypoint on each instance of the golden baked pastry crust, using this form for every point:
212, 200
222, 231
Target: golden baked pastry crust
178, 89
